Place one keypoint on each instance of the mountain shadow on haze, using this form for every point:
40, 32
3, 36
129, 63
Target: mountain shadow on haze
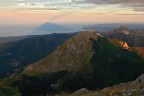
48, 28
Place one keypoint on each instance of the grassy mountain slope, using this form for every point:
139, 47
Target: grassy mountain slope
140, 51
19, 54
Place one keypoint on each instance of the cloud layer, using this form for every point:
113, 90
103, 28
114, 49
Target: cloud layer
108, 1
136, 5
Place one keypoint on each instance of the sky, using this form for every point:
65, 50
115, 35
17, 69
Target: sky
26, 15
71, 11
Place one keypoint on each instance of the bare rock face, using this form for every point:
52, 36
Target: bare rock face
140, 80
124, 45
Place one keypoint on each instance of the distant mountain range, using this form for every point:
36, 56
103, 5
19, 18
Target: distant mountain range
132, 37
9, 39
110, 27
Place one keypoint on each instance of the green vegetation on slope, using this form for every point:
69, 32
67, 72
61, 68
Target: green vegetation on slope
16, 55
113, 64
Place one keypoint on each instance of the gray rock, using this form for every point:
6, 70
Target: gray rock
140, 79
82, 91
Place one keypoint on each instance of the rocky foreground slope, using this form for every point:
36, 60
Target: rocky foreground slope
133, 88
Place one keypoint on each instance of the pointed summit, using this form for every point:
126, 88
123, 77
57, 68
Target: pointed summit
122, 29
89, 34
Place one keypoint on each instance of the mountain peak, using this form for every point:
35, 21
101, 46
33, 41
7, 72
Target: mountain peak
89, 34
73, 48
122, 29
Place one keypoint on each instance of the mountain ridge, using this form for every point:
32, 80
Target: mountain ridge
74, 39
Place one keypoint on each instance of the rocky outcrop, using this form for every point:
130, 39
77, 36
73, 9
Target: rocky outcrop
123, 45
82, 91
139, 80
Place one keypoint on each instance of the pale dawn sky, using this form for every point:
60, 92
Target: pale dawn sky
71, 11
